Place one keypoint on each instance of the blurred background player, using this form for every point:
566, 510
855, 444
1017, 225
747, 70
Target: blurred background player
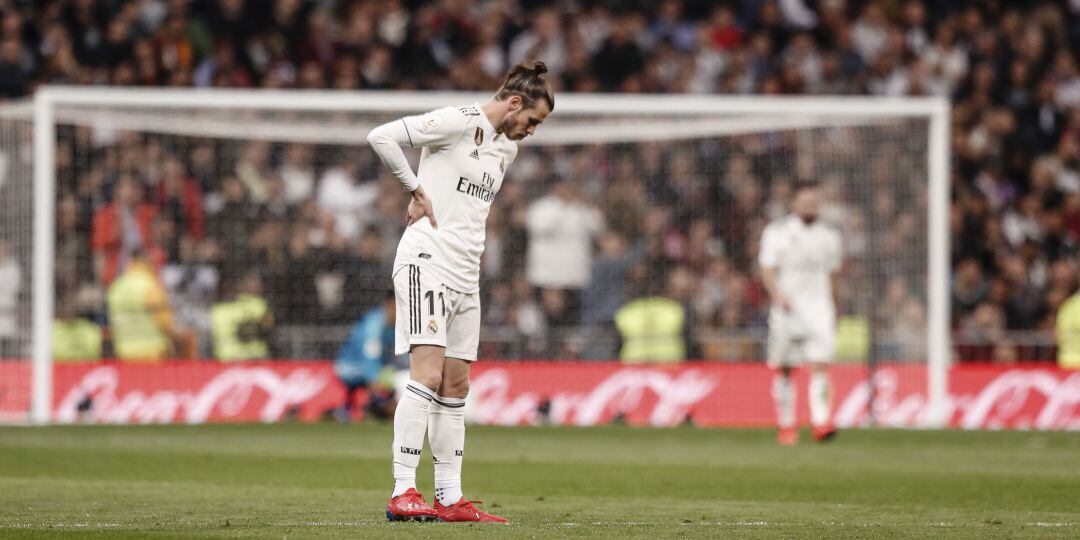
466, 151
367, 361
800, 261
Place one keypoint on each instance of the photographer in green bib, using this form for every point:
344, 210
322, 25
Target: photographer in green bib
241, 325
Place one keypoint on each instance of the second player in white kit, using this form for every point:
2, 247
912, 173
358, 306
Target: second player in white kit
466, 151
800, 260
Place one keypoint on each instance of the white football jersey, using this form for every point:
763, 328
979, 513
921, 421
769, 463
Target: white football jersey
461, 169
805, 257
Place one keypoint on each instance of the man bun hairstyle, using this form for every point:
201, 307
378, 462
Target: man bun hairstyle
529, 83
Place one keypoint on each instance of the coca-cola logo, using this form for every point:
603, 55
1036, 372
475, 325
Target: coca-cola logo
981, 397
1006, 402
496, 401
230, 393
1016, 398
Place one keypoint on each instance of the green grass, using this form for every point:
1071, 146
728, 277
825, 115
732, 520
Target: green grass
328, 481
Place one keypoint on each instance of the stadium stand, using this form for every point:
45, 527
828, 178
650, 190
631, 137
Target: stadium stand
324, 227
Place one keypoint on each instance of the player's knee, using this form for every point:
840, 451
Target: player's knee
431, 380
456, 389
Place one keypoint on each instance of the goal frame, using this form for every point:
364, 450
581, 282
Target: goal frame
935, 109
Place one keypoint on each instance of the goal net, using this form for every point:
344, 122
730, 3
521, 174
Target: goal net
276, 195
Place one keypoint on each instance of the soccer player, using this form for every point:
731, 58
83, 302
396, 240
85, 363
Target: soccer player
800, 262
466, 151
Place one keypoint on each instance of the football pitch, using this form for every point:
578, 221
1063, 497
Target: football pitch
331, 481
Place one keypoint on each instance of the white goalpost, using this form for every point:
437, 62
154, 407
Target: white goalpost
884, 161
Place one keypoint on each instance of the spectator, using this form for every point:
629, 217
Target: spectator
123, 227
15, 73
365, 274
179, 199
561, 230
74, 262
292, 291
620, 58
298, 174
233, 224
253, 169
606, 291
351, 202
724, 34
542, 41
1010, 70
192, 285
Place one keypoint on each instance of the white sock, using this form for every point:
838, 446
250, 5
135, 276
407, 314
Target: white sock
446, 434
819, 399
783, 392
410, 423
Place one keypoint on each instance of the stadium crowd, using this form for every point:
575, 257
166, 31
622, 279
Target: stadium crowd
320, 224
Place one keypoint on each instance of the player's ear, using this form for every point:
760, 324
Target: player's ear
514, 103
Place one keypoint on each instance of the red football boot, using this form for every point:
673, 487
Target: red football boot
824, 433
787, 436
410, 506
464, 510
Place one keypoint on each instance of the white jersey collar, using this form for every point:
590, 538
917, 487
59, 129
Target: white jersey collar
484, 122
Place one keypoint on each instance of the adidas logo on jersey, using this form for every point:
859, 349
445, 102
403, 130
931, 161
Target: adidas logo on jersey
475, 154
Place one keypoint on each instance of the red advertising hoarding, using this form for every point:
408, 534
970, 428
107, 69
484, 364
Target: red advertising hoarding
583, 394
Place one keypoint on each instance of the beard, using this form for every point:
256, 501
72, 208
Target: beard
808, 219
506, 127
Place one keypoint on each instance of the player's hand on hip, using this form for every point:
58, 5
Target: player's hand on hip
420, 206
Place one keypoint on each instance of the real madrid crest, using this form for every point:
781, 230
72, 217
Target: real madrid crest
479, 137
432, 327
502, 165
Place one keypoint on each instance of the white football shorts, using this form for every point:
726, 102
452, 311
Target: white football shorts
793, 341
430, 313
